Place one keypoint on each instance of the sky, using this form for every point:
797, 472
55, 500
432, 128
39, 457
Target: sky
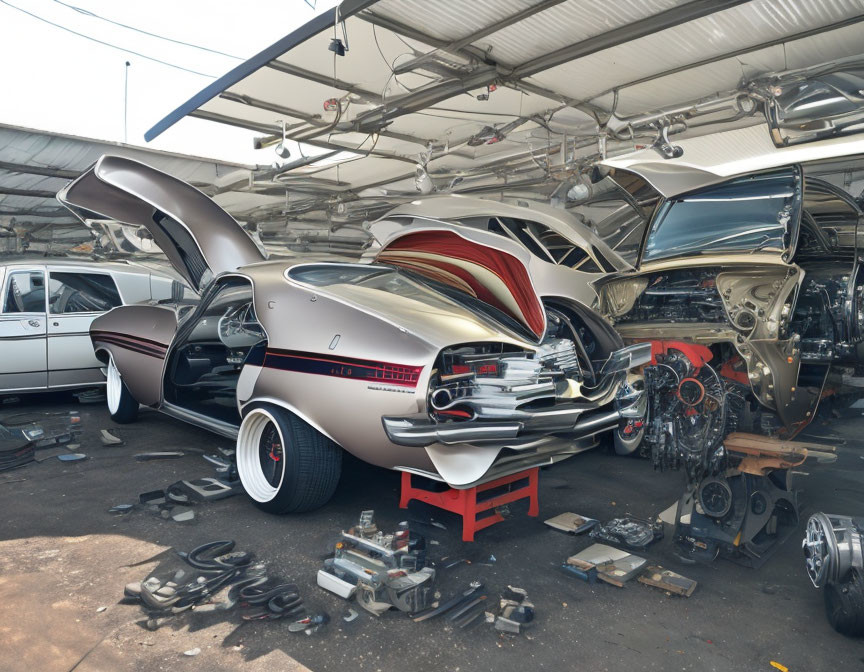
58, 81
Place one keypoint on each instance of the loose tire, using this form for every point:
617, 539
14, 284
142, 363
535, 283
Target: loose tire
285, 465
121, 404
844, 604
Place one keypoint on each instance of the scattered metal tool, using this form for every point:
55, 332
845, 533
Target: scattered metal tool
382, 570
516, 611
630, 532
163, 455
454, 602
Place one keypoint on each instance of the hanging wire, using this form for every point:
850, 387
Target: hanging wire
87, 12
106, 44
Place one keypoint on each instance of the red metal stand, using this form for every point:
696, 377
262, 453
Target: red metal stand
471, 502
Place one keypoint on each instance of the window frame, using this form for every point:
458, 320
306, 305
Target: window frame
75, 269
10, 272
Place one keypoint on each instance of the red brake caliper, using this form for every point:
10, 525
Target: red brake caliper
273, 455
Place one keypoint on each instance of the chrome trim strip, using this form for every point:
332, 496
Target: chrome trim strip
199, 420
28, 337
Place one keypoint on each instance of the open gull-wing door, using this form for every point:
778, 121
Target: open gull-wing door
199, 238
464, 261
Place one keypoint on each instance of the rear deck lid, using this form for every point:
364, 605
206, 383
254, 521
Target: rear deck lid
199, 238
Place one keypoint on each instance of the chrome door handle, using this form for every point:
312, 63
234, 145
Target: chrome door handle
33, 323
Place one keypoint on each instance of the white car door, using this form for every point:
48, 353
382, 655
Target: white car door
23, 348
75, 298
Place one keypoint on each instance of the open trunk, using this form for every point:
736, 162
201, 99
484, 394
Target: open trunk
492, 271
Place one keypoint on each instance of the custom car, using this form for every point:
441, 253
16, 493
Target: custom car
46, 309
442, 358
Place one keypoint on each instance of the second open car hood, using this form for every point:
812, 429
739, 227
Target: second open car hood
756, 215
199, 238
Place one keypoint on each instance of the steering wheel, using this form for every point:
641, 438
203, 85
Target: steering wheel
238, 327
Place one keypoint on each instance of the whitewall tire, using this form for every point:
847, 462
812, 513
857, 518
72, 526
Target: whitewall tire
285, 465
121, 405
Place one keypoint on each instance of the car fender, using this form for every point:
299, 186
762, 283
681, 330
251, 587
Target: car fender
282, 404
138, 339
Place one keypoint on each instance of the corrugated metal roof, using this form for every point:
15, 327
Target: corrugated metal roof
67, 154
749, 25
418, 86
34, 214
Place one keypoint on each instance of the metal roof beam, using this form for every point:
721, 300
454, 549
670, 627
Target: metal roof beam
740, 52
273, 130
30, 212
458, 46
47, 171
30, 193
314, 119
483, 76
696, 9
322, 79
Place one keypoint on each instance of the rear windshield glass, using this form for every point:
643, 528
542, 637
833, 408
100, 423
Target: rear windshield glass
402, 283
749, 214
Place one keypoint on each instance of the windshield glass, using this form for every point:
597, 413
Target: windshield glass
745, 215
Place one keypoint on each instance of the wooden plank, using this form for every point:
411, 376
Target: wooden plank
665, 579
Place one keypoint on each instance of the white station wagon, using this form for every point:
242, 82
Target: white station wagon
46, 309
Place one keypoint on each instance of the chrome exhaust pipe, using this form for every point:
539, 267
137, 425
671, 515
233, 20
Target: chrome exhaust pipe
441, 399
419, 431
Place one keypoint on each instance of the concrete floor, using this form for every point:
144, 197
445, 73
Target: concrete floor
63, 557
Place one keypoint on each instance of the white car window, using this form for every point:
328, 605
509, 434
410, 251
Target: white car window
25, 292
74, 292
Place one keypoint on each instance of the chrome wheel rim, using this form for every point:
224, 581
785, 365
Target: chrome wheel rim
819, 548
114, 387
260, 441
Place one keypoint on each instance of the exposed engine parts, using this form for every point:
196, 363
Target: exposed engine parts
691, 408
741, 516
829, 304
678, 296
381, 570
475, 383
498, 394
834, 557
487, 381
629, 532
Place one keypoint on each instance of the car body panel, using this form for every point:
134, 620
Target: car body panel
199, 238
469, 217
414, 331
23, 336
487, 273
458, 208
137, 338
766, 206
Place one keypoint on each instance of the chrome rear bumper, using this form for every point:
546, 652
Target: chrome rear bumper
575, 420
